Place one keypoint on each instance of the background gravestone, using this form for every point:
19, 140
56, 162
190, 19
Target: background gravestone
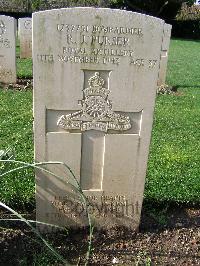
25, 37
95, 78
7, 49
164, 54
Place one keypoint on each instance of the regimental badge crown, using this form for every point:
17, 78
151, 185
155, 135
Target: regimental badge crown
96, 87
96, 112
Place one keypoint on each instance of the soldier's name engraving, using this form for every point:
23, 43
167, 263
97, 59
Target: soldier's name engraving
94, 40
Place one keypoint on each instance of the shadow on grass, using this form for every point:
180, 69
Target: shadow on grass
185, 39
176, 87
159, 216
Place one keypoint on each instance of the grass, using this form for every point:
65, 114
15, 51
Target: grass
24, 66
173, 169
183, 64
16, 133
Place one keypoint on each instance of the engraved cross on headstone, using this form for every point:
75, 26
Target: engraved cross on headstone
95, 119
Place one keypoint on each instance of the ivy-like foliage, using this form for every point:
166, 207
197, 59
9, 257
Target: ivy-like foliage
154, 7
189, 13
160, 8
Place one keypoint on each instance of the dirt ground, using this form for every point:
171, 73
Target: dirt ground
168, 235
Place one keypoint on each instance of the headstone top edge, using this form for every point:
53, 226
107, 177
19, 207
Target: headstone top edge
7, 17
168, 26
52, 11
24, 18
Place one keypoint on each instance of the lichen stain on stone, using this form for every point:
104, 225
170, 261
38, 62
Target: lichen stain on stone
97, 17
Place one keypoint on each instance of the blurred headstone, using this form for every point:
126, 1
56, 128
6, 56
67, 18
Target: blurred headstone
164, 54
25, 37
7, 49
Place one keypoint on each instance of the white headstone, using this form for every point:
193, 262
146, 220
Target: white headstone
25, 37
7, 49
164, 54
95, 77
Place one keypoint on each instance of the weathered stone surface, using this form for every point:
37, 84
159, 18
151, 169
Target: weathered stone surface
7, 49
164, 54
25, 37
95, 78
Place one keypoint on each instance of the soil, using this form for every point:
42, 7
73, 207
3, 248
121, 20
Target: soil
168, 235
21, 84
